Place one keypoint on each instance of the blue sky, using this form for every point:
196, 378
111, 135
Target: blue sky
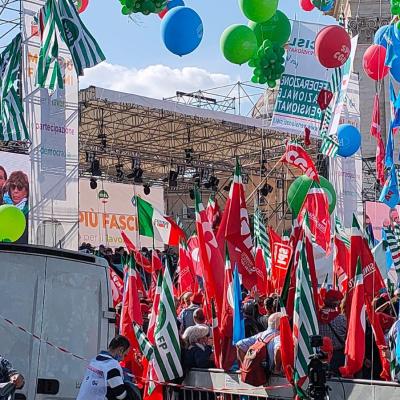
136, 46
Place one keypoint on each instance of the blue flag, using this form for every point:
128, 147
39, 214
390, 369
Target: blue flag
394, 106
390, 191
389, 149
238, 319
393, 45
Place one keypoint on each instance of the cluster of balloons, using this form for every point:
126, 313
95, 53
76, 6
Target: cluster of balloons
268, 64
261, 42
145, 7
375, 56
298, 190
322, 5
12, 223
332, 46
181, 30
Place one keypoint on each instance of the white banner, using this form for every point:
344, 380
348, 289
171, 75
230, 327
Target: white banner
52, 120
345, 174
109, 209
296, 106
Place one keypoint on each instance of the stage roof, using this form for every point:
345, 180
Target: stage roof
118, 127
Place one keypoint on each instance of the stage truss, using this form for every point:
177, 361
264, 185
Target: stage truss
123, 135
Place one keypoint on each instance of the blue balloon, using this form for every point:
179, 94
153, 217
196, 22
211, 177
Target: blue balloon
175, 3
181, 30
395, 69
349, 138
379, 37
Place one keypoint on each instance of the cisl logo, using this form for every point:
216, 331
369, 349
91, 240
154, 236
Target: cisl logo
103, 196
71, 31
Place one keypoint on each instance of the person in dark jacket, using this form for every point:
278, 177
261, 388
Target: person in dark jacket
251, 326
198, 353
9, 374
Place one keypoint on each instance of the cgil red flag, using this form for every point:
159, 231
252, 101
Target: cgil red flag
140, 259
210, 256
317, 208
287, 345
355, 341
193, 246
186, 276
235, 229
341, 260
117, 287
213, 212
295, 155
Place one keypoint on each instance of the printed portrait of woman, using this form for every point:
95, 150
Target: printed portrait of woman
3, 180
16, 191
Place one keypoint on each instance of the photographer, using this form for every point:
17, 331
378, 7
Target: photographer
9, 375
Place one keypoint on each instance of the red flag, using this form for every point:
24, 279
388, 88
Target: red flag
355, 341
117, 287
376, 119
316, 205
139, 257
341, 260
156, 266
281, 256
261, 268
186, 276
373, 286
213, 212
307, 134
295, 155
193, 246
235, 229
210, 255
324, 98
380, 147
287, 345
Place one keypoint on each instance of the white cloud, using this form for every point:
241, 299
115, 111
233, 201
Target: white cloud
156, 81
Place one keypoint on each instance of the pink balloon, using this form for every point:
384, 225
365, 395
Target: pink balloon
306, 5
374, 62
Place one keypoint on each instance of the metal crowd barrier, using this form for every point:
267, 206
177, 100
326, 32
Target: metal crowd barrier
214, 384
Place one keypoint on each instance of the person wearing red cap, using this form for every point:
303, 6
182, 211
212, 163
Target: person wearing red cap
186, 315
333, 324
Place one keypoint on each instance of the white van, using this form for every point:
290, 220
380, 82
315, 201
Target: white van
63, 298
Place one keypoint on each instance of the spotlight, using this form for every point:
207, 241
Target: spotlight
227, 187
191, 194
245, 178
95, 168
212, 183
136, 175
188, 155
103, 139
93, 183
146, 189
173, 179
119, 172
266, 189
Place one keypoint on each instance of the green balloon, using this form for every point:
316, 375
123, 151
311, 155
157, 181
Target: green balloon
238, 44
258, 10
277, 29
298, 191
12, 223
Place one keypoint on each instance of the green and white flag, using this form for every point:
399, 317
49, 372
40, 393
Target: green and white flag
329, 146
12, 126
305, 323
48, 74
84, 49
261, 238
145, 346
167, 349
60, 18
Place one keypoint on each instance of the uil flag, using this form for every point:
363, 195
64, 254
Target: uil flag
299, 158
355, 343
153, 223
235, 229
238, 319
390, 191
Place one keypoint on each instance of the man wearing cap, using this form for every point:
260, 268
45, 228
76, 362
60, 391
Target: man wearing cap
186, 315
333, 325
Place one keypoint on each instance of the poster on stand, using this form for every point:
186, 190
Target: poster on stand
52, 121
15, 184
296, 105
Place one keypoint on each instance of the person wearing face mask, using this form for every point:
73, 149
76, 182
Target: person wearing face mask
104, 379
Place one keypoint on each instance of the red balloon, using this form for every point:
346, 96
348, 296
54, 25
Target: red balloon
374, 62
332, 46
306, 5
